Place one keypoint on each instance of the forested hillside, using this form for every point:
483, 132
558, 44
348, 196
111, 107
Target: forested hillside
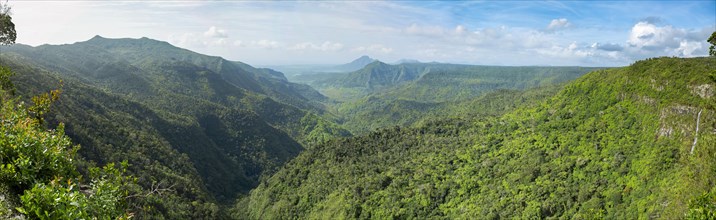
205, 128
436, 82
522, 110
621, 143
375, 112
382, 95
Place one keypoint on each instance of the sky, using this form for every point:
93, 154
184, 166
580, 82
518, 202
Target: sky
546, 33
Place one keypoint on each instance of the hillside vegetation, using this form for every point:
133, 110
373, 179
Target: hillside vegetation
613, 144
382, 95
203, 137
204, 128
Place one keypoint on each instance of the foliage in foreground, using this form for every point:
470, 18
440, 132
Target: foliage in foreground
38, 166
208, 126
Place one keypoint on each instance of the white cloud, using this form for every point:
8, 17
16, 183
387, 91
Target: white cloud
487, 36
607, 46
216, 32
647, 39
217, 42
558, 24
687, 48
187, 40
325, 46
434, 31
287, 32
648, 36
373, 48
460, 29
569, 51
265, 44
194, 40
425, 30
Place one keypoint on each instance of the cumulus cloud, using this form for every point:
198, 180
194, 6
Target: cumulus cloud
217, 42
373, 48
187, 40
651, 20
216, 32
607, 46
487, 36
558, 24
647, 39
196, 40
239, 43
425, 30
571, 50
688, 48
325, 46
265, 44
460, 29
648, 36
435, 31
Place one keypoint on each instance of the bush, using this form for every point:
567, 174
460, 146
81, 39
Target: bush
40, 165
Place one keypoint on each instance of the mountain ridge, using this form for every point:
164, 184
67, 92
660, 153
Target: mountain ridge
614, 143
356, 64
234, 122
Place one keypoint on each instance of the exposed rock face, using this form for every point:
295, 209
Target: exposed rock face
704, 91
667, 120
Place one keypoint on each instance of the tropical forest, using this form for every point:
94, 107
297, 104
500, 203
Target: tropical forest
357, 110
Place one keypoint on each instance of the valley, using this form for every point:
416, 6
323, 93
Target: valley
431, 130
188, 127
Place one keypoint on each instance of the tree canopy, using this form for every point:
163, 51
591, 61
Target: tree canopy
712, 41
7, 28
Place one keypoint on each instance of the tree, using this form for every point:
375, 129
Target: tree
40, 165
712, 40
7, 37
7, 28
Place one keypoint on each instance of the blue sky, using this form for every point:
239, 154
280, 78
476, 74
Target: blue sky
586, 33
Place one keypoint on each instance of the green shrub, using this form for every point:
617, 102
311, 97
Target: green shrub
40, 165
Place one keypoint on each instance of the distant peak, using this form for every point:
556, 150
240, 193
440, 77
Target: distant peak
376, 63
97, 37
401, 61
357, 63
363, 60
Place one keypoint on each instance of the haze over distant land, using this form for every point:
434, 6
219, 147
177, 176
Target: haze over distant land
492, 33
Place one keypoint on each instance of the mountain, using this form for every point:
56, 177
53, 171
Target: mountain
146, 70
401, 61
355, 64
376, 112
100, 56
375, 75
207, 127
417, 78
110, 128
307, 74
381, 94
621, 143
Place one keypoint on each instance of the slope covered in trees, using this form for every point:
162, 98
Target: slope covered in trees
382, 95
613, 144
375, 112
435, 82
41, 176
204, 128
